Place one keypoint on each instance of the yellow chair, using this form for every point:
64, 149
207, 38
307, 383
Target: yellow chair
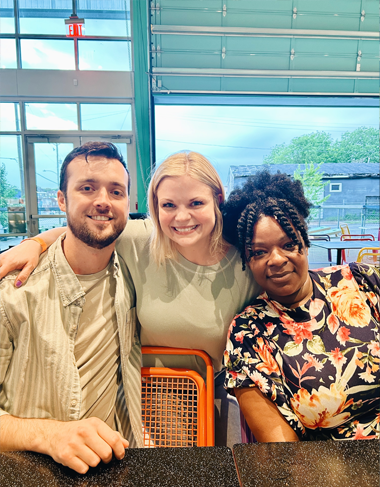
345, 230
369, 255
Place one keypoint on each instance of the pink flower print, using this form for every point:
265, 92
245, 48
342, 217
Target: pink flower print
360, 436
367, 376
346, 273
316, 306
270, 328
337, 358
301, 331
313, 362
374, 348
239, 337
343, 335
332, 323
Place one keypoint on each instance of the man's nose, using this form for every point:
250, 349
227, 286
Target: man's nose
102, 198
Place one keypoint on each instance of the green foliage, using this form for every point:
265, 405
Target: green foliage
316, 147
311, 179
6, 191
360, 145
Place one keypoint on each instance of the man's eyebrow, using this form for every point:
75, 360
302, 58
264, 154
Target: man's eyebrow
92, 180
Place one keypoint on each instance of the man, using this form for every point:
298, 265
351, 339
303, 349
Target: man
69, 353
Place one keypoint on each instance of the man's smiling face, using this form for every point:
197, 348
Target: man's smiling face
96, 201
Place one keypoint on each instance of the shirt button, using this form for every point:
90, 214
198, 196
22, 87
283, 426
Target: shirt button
74, 402
74, 327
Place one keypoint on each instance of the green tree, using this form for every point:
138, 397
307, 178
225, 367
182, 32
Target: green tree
311, 179
360, 145
6, 191
316, 147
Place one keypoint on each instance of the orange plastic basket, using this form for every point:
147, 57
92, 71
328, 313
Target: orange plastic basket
177, 407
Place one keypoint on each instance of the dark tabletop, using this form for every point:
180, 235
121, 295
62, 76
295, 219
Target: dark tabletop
155, 467
312, 464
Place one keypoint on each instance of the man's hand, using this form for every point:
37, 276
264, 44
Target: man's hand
75, 444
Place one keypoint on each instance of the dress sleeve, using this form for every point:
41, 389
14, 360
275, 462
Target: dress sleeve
253, 360
368, 278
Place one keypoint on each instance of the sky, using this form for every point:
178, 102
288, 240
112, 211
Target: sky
245, 135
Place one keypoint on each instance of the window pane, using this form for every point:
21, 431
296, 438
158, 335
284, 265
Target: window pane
12, 194
44, 16
51, 116
8, 54
47, 54
48, 158
7, 21
104, 55
9, 117
112, 21
106, 117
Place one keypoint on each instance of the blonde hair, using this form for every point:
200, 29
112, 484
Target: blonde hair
198, 167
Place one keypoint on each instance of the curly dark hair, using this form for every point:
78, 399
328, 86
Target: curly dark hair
265, 194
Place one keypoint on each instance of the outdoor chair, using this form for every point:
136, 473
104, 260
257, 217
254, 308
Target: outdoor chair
326, 238
365, 237
369, 255
177, 405
345, 229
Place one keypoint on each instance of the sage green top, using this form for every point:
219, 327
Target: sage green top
181, 304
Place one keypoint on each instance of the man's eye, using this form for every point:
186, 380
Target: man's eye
117, 192
86, 188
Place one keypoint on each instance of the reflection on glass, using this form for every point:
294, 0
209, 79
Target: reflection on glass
7, 21
111, 18
12, 193
105, 117
51, 116
8, 54
48, 158
44, 17
104, 55
47, 54
9, 117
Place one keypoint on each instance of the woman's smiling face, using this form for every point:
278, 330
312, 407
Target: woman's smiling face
278, 265
186, 212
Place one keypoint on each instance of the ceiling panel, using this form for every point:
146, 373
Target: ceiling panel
282, 36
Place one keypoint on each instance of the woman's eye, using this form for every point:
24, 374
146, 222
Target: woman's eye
168, 205
289, 246
197, 203
257, 253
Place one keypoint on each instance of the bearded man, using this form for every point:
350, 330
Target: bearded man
69, 352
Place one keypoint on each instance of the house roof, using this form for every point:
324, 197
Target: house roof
351, 169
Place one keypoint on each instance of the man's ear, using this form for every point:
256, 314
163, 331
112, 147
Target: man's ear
61, 201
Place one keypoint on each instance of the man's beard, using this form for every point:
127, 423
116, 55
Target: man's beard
94, 239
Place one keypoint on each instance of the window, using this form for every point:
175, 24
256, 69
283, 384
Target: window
105, 116
104, 55
8, 57
335, 187
9, 117
51, 116
47, 54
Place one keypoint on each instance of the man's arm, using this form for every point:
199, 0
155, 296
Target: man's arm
26, 256
75, 444
264, 419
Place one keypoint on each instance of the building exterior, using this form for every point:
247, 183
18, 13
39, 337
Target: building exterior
352, 185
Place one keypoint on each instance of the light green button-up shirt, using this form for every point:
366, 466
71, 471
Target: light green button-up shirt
38, 323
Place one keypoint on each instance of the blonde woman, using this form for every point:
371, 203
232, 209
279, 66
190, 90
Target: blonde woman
189, 282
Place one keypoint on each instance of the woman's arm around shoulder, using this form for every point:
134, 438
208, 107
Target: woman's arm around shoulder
264, 419
26, 256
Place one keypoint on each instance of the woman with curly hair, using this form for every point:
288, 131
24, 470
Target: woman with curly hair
303, 358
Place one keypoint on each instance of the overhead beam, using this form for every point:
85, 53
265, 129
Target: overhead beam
263, 73
261, 32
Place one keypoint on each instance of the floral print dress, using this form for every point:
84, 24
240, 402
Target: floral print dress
319, 363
